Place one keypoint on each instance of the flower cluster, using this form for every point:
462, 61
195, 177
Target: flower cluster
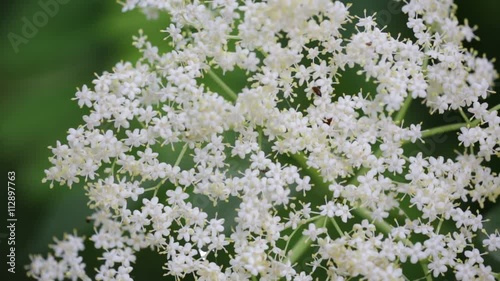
194, 171
69, 264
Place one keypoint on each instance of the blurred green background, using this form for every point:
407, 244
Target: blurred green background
39, 80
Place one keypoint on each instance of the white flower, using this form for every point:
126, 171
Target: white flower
312, 232
84, 96
192, 171
492, 242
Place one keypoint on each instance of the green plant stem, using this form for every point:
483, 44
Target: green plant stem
442, 129
304, 242
440, 224
453, 127
260, 137
337, 227
181, 155
227, 93
496, 107
402, 112
464, 116
177, 162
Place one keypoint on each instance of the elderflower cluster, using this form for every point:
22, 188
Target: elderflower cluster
195, 172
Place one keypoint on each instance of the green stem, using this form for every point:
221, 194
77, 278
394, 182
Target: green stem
290, 238
113, 168
402, 112
260, 137
496, 107
453, 127
438, 229
304, 243
464, 116
337, 227
177, 162
181, 155
425, 269
442, 129
228, 93
316, 178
